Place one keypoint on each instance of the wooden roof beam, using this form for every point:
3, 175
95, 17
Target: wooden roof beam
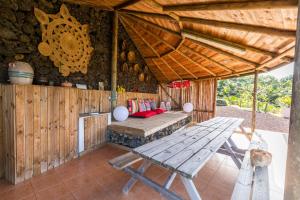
225, 53
166, 63
247, 5
231, 46
195, 63
148, 14
162, 72
125, 4
241, 27
280, 56
209, 59
183, 67
157, 37
155, 26
138, 34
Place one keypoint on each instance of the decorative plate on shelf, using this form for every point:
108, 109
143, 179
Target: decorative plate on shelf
131, 56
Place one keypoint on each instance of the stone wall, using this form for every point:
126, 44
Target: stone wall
20, 35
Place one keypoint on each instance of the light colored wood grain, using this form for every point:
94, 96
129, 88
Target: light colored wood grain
37, 130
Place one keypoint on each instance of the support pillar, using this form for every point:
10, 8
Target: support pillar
253, 124
114, 61
292, 182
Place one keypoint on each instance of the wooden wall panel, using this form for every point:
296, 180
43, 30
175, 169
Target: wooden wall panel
203, 99
39, 126
201, 94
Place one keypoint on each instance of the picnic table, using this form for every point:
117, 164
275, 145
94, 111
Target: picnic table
184, 153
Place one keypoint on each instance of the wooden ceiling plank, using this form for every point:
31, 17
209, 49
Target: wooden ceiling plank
225, 53
183, 67
209, 59
142, 38
174, 33
148, 14
158, 67
141, 53
247, 5
280, 56
157, 37
166, 63
226, 42
125, 4
241, 27
200, 66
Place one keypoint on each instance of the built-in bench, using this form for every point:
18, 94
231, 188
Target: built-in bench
263, 183
135, 132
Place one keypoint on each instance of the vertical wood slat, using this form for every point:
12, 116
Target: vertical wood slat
44, 129
37, 130
28, 118
20, 134
2, 148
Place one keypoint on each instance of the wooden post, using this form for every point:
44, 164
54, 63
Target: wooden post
292, 182
253, 125
114, 62
215, 96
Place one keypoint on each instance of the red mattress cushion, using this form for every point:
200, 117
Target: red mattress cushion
144, 114
159, 111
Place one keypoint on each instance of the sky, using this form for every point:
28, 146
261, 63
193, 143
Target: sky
282, 71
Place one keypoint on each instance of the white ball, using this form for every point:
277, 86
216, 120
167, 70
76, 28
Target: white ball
120, 113
188, 107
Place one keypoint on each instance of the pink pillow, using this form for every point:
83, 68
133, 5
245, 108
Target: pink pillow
145, 114
159, 111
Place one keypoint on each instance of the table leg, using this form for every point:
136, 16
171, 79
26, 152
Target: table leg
144, 166
170, 180
232, 155
190, 188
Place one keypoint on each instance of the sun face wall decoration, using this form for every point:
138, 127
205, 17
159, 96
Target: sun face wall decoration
65, 41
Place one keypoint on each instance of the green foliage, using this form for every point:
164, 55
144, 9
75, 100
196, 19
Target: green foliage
272, 94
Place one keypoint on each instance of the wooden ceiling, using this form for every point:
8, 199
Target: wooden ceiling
196, 39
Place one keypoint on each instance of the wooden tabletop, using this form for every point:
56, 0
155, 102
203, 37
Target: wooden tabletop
186, 151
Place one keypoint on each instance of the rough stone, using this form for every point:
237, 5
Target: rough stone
20, 34
6, 33
7, 14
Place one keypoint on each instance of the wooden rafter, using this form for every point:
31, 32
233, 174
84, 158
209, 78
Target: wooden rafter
157, 37
183, 67
241, 27
280, 56
166, 63
195, 63
158, 67
148, 14
126, 4
226, 42
141, 37
230, 55
174, 33
248, 5
208, 59
137, 46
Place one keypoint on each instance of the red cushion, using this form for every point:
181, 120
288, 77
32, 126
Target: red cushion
144, 114
159, 111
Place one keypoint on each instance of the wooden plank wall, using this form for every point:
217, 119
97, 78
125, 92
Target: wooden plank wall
201, 94
39, 125
123, 97
204, 99
173, 94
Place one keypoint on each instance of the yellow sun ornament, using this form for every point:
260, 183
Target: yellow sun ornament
65, 41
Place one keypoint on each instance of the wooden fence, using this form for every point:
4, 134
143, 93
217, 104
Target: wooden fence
202, 94
39, 126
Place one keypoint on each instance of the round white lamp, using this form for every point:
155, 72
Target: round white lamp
120, 113
188, 107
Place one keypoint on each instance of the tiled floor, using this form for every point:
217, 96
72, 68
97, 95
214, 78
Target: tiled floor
91, 177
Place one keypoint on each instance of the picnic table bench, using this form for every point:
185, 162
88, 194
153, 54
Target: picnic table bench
184, 153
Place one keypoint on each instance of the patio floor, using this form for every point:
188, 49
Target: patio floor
91, 177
